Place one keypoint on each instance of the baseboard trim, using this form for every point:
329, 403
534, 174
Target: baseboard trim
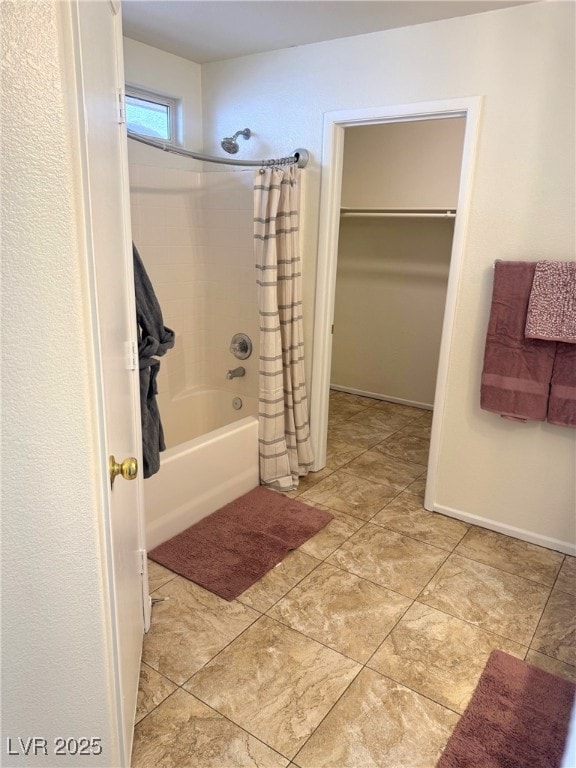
377, 396
565, 547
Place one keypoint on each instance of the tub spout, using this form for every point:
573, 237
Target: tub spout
236, 372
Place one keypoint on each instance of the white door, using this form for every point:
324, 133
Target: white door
99, 61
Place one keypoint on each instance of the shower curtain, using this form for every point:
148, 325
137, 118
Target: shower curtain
284, 433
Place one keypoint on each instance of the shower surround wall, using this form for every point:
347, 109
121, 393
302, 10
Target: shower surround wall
194, 232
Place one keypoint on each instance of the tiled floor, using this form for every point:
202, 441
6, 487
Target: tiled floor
364, 646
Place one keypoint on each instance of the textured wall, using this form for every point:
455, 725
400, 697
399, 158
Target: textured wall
521, 60
54, 674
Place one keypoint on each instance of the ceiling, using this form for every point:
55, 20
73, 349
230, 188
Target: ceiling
212, 30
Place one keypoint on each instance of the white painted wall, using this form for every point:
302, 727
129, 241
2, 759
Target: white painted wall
521, 60
155, 70
56, 670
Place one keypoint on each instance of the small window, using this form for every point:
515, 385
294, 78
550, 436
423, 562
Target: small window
150, 114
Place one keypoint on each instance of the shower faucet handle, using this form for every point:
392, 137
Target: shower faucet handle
241, 346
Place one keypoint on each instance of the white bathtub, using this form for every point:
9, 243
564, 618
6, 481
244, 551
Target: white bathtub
216, 464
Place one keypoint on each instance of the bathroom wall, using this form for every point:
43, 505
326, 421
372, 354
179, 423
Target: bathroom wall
193, 229
156, 70
520, 60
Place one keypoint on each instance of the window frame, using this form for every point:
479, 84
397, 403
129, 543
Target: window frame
161, 99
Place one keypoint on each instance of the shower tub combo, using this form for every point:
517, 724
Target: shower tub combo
212, 456
212, 459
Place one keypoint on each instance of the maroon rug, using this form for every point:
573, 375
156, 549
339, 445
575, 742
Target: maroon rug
517, 718
232, 548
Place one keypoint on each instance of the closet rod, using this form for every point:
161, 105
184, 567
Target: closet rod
444, 214
299, 158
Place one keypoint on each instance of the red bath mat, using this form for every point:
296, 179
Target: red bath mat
517, 718
232, 548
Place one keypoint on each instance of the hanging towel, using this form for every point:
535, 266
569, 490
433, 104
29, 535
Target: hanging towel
154, 340
562, 403
552, 307
517, 371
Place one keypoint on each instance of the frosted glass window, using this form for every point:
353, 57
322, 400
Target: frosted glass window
152, 115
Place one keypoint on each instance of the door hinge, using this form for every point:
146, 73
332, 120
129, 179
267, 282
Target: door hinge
131, 356
332, 329
121, 106
142, 561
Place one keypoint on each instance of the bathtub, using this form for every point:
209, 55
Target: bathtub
215, 464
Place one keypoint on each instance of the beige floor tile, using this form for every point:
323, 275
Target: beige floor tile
379, 724
511, 555
438, 655
405, 446
556, 633
425, 418
352, 495
389, 559
340, 610
487, 597
418, 487
355, 433
358, 400
275, 683
152, 690
554, 666
567, 576
158, 575
387, 422
405, 514
191, 627
342, 408
332, 535
380, 468
417, 428
312, 479
421, 426
273, 585
339, 453
184, 733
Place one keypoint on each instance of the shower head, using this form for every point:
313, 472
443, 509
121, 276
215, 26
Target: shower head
230, 144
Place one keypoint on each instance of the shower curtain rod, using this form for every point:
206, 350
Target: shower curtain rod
299, 158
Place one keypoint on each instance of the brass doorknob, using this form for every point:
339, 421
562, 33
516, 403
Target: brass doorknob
128, 469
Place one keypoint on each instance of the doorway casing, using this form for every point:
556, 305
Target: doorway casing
335, 124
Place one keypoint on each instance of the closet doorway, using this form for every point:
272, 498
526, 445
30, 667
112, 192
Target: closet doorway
395, 197
398, 206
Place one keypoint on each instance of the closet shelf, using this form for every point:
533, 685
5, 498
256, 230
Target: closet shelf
414, 213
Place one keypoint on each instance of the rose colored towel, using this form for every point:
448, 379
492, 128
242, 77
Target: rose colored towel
552, 307
562, 403
517, 371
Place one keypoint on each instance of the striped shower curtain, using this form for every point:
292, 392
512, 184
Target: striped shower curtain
284, 433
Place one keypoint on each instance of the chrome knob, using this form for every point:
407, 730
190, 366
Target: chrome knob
128, 469
241, 346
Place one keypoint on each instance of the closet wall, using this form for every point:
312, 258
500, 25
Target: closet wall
392, 267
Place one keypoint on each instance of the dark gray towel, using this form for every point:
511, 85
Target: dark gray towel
154, 340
